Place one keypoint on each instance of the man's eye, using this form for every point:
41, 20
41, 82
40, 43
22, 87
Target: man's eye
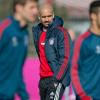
50, 16
43, 17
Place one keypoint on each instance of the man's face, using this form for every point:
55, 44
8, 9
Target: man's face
29, 11
46, 17
98, 19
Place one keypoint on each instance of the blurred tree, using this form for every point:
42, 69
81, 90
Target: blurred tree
5, 8
60, 11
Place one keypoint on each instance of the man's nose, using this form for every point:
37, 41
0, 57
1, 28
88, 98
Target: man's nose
47, 19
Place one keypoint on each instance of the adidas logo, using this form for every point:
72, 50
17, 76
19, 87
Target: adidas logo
52, 94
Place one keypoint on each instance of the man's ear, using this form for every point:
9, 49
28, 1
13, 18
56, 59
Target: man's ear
19, 8
93, 16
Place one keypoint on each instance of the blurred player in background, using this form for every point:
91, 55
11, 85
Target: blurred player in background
85, 71
13, 49
53, 45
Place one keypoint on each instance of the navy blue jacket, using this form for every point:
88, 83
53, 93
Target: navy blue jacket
85, 71
13, 52
57, 49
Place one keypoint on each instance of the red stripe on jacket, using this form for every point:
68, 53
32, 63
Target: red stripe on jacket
4, 25
74, 69
66, 56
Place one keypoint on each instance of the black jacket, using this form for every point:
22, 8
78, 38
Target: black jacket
57, 49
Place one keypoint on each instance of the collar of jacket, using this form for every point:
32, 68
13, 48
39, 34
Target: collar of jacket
17, 23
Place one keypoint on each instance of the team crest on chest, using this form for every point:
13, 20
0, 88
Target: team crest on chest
14, 41
51, 41
98, 49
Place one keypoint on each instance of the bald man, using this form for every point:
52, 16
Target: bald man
52, 44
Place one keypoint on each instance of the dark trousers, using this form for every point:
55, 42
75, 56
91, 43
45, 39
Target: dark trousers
50, 89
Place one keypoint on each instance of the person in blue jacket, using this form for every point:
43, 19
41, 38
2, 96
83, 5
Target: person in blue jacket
85, 71
13, 49
53, 45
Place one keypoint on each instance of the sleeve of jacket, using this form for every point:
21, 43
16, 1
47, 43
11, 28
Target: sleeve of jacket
4, 38
22, 91
4, 33
60, 64
64, 45
79, 53
34, 35
34, 31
